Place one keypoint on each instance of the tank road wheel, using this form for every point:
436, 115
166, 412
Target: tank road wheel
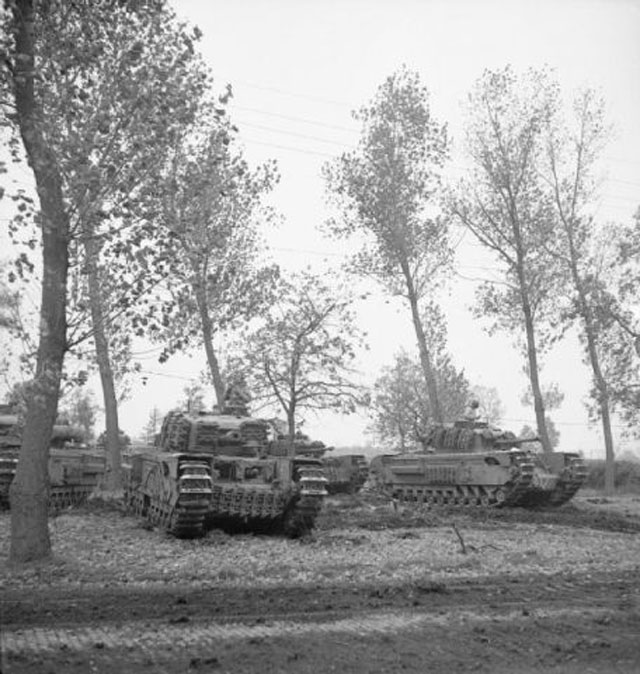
485, 500
500, 497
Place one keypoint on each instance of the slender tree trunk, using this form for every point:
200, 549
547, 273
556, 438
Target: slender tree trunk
29, 490
532, 355
425, 358
113, 475
291, 425
207, 338
598, 377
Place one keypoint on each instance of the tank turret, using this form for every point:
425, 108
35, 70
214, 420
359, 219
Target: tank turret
466, 435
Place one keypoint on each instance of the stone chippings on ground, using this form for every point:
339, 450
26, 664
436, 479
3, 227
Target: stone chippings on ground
107, 548
359, 543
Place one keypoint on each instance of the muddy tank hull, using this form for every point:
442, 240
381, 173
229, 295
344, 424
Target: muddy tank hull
187, 494
346, 474
510, 478
74, 471
245, 488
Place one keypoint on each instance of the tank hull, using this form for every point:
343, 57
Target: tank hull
346, 474
74, 471
500, 478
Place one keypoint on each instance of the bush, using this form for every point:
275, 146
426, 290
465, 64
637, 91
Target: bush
626, 475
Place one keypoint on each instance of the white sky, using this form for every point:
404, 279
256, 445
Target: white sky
299, 67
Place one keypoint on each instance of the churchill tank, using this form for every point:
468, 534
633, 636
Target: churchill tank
212, 469
470, 462
345, 473
74, 470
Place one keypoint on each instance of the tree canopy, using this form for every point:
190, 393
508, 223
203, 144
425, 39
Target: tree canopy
387, 193
301, 357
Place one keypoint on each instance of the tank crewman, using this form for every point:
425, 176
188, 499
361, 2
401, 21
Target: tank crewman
472, 413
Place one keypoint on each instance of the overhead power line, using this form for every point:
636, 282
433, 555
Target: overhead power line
291, 118
291, 149
290, 133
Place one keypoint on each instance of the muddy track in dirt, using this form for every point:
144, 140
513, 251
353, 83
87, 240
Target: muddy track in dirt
67, 608
561, 623
519, 593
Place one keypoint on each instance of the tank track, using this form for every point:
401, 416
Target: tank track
65, 497
522, 491
184, 518
300, 517
294, 516
571, 479
510, 494
8, 465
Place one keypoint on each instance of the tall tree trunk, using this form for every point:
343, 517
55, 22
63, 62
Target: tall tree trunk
598, 377
291, 425
425, 358
532, 356
29, 490
207, 338
113, 475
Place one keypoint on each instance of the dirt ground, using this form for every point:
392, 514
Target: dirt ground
376, 588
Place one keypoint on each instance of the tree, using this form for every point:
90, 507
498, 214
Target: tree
301, 357
9, 303
386, 191
401, 409
153, 426
491, 408
80, 409
554, 435
210, 215
572, 150
29, 489
16, 343
117, 81
193, 398
506, 205
615, 311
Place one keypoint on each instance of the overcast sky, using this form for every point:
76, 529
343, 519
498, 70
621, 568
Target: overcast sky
299, 67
